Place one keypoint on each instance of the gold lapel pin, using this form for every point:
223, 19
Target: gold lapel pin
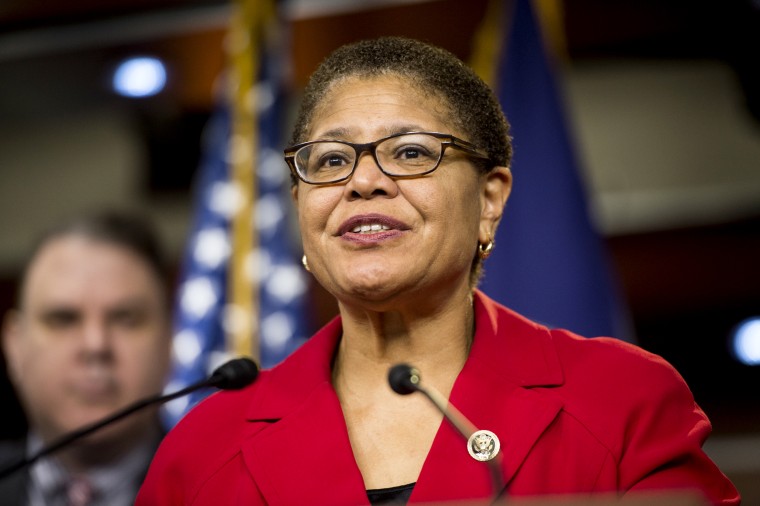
483, 445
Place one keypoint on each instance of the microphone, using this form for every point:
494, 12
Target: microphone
232, 375
405, 379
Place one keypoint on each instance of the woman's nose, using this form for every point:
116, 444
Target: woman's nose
369, 181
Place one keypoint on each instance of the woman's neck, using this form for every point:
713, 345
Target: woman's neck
436, 342
383, 425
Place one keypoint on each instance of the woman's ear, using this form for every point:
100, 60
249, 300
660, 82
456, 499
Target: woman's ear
294, 193
497, 185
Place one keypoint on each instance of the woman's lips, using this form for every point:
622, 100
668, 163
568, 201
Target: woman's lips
371, 228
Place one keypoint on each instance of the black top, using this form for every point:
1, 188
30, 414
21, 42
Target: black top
391, 496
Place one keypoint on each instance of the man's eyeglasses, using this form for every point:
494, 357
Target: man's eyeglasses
408, 154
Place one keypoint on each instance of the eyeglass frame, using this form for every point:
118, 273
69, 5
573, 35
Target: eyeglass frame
360, 148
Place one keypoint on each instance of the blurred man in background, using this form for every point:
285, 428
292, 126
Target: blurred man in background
91, 335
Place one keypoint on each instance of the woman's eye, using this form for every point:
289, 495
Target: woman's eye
412, 152
332, 160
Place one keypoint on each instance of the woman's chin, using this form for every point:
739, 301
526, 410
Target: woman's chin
371, 289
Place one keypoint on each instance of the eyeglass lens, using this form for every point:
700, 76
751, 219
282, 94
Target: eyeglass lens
404, 155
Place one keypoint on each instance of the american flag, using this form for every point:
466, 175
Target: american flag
205, 316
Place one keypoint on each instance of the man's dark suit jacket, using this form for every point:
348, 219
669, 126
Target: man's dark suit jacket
13, 487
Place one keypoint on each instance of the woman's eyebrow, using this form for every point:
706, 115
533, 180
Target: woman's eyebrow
335, 133
345, 133
404, 128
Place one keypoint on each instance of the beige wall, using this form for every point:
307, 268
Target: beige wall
57, 166
665, 143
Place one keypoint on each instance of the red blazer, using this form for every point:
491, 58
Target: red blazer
574, 415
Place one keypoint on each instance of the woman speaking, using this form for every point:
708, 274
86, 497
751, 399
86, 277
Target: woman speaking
400, 164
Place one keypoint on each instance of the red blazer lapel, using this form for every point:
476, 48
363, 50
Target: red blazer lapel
303, 412
286, 473
509, 356
518, 418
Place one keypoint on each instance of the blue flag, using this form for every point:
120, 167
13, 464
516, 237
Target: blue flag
549, 262
203, 314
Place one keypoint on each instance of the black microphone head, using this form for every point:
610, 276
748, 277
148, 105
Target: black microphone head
404, 379
235, 374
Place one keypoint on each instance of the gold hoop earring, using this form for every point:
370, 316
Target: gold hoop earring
484, 251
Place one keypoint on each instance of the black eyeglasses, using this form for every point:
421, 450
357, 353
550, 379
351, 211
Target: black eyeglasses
403, 155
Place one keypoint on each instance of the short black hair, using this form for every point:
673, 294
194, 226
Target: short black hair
474, 107
129, 230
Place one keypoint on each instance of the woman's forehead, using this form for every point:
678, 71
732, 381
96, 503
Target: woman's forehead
384, 105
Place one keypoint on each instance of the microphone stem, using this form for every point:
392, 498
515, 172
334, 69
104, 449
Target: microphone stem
495, 466
452, 414
466, 429
84, 431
